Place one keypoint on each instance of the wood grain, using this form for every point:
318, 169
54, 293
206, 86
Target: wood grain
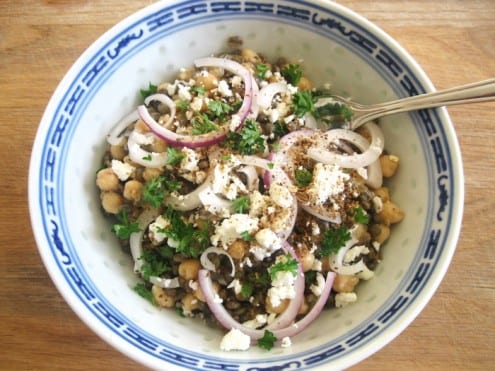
454, 42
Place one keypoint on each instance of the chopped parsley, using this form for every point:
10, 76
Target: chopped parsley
248, 140
303, 177
144, 292
289, 264
261, 70
309, 277
182, 104
361, 216
125, 228
267, 341
246, 290
219, 109
174, 156
280, 129
303, 102
156, 262
199, 90
201, 124
154, 190
147, 158
245, 236
330, 112
192, 241
292, 73
240, 205
333, 240
152, 89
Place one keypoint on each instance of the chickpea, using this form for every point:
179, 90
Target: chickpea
383, 193
343, 283
304, 307
391, 213
250, 55
305, 84
189, 268
190, 302
117, 152
161, 297
206, 79
362, 234
141, 126
185, 74
278, 309
389, 164
237, 249
307, 261
107, 180
198, 293
150, 173
111, 202
382, 233
159, 145
132, 190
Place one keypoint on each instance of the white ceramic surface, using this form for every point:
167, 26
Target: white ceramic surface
338, 46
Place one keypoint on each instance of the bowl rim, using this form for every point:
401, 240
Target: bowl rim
46, 121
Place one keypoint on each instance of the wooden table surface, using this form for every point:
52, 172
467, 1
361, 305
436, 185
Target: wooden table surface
453, 40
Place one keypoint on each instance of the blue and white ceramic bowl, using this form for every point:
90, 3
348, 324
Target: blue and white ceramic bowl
95, 277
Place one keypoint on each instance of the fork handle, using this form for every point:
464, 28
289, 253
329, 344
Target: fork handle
482, 91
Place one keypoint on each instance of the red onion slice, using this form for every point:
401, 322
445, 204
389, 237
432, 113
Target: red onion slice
191, 200
337, 261
373, 149
207, 264
268, 92
214, 203
142, 157
116, 137
136, 238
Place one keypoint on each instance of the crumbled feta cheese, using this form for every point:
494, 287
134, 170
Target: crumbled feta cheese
292, 89
257, 322
282, 287
236, 81
236, 285
328, 180
376, 245
225, 183
196, 104
235, 121
353, 253
143, 139
223, 89
184, 92
286, 342
377, 204
235, 340
171, 88
257, 203
344, 298
193, 285
190, 161
281, 195
155, 229
123, 170
230, 229
217, 299
320, 284
268, 239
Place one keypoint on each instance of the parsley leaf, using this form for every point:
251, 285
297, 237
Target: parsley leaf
333, 240
248, 140
246, 290
303, 102
360, 215
191, 241
288, 264
261, 70
144, 292
147, 158
332, 111
303, 177
152, 89
125, 228
154, 190
174, 156
199, 90
280, 129
245, 236
182, 104
219, 108
292, 73
156, 262
241, 205
309, 277
267, 341
201, 124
